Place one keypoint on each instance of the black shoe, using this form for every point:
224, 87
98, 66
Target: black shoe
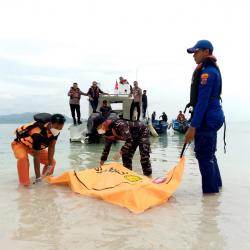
79, 122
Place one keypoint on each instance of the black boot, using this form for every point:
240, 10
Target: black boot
79, 119
74, 120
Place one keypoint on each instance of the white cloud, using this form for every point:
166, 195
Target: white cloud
55, 43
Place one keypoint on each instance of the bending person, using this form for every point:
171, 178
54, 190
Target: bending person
33, 139
133, 133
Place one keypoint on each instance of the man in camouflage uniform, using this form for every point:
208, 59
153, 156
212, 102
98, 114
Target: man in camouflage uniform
134, 133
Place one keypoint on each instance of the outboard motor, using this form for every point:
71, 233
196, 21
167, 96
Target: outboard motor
92, 135
113, 116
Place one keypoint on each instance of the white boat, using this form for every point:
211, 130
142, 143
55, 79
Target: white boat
77, 132
120, 105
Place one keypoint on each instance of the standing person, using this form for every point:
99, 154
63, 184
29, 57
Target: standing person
144, 103
74, 102
137, 95
153, 116
93, 94
123, 81
105, 109
33, 139
134, 134
208, 116
124, 86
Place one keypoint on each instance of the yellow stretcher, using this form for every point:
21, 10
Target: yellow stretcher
118, 185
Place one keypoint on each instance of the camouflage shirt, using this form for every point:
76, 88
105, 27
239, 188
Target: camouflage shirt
128, 131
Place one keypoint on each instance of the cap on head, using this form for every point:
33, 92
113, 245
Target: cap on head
202, 44
57, 118
98, 121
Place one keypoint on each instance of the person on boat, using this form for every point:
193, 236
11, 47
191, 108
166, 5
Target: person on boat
105, 110
137, 95
93, 94
153, 116
124, 86
208, 116
134, 133
74, 102
144, 103
122, 80
164, 117
33, 139
181, 117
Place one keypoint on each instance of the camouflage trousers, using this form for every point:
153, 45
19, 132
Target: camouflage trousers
144, 147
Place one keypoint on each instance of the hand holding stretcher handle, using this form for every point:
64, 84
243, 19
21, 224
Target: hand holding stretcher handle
183, 150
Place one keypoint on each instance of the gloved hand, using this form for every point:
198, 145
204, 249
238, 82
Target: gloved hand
159, 180
47, 172
39, 179
99, 169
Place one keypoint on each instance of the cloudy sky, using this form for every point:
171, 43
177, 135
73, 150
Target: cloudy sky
47, 45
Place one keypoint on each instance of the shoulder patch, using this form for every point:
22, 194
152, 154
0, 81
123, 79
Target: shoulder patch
204, 78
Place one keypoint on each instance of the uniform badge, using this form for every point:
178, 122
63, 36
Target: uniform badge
204, 78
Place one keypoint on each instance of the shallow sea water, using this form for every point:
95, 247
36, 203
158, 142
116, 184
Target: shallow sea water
53, 217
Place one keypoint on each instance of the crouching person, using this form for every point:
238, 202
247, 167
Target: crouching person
33, 139
134, 133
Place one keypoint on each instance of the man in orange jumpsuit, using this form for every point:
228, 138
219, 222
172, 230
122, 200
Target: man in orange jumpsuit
33, 139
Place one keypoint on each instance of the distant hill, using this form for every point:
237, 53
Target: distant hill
21, 118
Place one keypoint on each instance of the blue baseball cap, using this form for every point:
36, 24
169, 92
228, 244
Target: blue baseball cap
202, 44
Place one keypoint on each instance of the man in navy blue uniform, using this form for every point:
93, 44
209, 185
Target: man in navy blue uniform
207, 117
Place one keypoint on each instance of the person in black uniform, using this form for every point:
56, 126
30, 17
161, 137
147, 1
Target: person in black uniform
163, 117
105, 109
144, 103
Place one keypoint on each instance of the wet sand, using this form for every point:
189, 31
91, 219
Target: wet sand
52, 217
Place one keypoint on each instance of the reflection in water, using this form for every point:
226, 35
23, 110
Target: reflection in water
51, 217
208, 235
166, 150
76, 155
39, 219
82, 156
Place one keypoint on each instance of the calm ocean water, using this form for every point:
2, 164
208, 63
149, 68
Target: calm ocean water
52, 217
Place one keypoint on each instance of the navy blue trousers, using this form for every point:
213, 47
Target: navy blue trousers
205, 148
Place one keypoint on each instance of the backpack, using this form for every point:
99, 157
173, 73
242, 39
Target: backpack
40, 120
